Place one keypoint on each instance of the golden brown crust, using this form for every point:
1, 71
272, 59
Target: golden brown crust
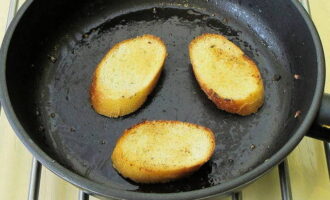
238, 106
129, 104
137, 172
169, 122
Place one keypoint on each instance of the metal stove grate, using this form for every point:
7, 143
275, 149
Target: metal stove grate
283, 170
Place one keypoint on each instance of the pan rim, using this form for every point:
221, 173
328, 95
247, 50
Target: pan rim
104, 191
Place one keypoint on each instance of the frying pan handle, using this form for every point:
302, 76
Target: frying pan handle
321, 127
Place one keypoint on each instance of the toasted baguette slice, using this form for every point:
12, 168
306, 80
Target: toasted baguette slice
161, 151
126, 75
228, 77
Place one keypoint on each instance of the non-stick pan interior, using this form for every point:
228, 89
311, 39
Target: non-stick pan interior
60, 43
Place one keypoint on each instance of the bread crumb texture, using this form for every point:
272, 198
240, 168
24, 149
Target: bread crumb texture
161, 151
228, 77
126, 75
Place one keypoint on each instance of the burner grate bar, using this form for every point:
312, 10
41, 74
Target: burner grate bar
82, 195
34, 180
327, 154
285, 180
12, 11
305, 4
237, 196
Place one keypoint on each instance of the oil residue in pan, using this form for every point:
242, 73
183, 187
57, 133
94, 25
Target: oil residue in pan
87, 139
189, 17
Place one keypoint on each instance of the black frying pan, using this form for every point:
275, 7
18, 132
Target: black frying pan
52, 48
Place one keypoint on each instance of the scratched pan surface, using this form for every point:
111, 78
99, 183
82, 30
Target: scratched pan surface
53, 95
